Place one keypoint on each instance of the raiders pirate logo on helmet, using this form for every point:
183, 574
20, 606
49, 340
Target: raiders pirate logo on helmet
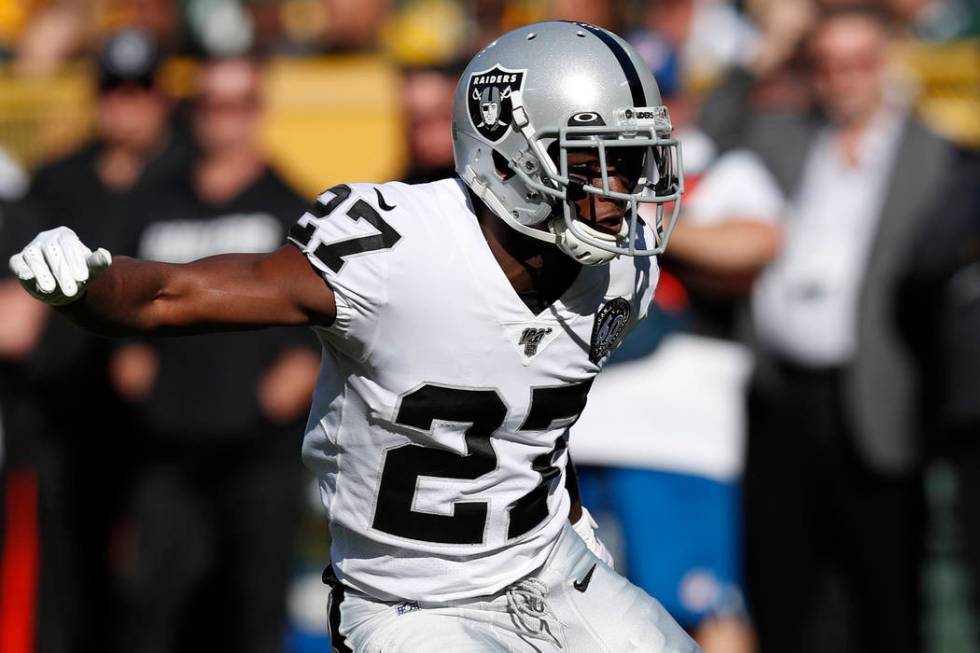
489, 98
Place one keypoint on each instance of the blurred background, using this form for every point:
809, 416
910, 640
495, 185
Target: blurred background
786, 453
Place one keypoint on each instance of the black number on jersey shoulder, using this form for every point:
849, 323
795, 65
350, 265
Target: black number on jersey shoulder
334, 255
402, 466
485, 411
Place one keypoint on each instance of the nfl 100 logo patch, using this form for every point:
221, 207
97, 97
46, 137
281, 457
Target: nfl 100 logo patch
609, 328
531, 340
489, 100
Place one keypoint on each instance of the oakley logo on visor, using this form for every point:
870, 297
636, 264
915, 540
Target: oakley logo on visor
586, 119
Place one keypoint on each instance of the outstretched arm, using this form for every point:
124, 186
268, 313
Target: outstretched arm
220, 293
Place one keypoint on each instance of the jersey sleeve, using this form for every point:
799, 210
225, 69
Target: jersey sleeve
349, 244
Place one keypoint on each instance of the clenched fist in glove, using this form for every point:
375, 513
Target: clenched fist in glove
56, 266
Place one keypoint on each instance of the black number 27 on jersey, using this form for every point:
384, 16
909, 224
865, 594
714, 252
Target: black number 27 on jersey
334, 255
485, 412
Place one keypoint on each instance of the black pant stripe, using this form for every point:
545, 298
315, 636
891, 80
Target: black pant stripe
337, 641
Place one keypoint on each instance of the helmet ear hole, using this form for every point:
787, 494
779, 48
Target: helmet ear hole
503, 168
552, 150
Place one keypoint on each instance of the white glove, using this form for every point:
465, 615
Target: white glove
585, 527
56, 267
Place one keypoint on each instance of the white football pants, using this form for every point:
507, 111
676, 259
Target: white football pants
573, 604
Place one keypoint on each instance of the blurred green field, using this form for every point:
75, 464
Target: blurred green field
950, 625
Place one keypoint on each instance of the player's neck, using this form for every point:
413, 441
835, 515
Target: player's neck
529, 264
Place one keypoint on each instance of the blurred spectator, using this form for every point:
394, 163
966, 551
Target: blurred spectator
833, 487
604, 13
354, 25
20, 326
212, 519
53, 35
20, 330
702, 38
82, 448
729, 234
134, 146
940, 309
429, 116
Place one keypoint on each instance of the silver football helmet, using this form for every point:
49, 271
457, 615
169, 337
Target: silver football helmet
544, 90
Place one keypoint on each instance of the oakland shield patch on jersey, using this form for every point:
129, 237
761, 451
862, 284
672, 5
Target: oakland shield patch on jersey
609, 328
489, 99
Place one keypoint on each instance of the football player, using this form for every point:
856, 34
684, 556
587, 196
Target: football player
462, 323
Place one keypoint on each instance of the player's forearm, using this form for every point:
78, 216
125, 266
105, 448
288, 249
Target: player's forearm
129, 298
230, 292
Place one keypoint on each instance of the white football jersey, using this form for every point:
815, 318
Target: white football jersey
439, 426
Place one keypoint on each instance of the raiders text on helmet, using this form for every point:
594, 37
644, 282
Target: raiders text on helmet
543, 90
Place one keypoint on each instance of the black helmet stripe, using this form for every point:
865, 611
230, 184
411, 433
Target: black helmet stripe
636, 86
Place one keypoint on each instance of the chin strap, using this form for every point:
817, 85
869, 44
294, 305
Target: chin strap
482, 190
558, 233
586, 254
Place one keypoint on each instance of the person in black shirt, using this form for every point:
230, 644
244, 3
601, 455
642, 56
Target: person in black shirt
20, 331
20, 323
218, 492
82, 469
134, 152
939, 311
428, 94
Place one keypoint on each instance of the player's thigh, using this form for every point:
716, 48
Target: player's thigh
613, 615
